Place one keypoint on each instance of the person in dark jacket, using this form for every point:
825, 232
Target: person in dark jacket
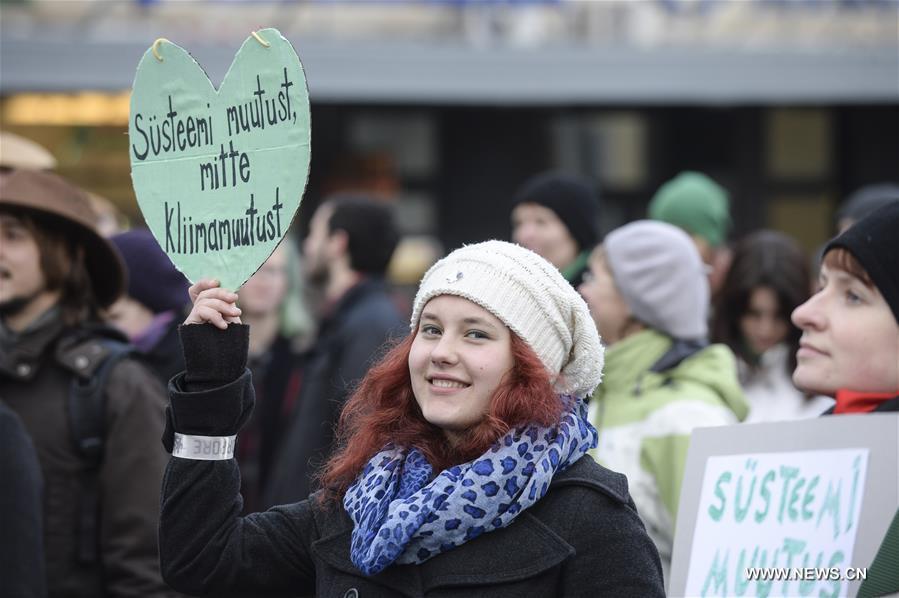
557, 216
56, 275
346, 253
849, 347
21, 517
462, 466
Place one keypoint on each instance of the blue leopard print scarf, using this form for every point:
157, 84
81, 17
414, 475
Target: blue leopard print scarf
400, 514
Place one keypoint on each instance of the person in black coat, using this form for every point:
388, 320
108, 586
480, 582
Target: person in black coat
849, 347
100, 470
21, 519
350, 243
461, 467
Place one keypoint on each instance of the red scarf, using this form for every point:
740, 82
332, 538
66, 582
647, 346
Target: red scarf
849, 401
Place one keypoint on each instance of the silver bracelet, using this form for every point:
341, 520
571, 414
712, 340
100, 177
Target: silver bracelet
203, 448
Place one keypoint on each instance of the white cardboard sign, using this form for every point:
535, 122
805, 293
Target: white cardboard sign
807, 501
784, 510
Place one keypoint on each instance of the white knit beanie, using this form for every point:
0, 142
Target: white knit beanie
657, 268
532, 298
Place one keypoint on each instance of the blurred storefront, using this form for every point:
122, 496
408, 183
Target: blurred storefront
446, 106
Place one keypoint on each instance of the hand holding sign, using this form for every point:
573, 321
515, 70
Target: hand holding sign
220, 174
212, 305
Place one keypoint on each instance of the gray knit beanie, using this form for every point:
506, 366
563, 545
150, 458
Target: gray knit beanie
661, 277
532, 298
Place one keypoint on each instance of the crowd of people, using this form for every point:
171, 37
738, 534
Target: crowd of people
523, 430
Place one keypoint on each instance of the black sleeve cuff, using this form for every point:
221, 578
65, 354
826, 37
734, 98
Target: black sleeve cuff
221, 411
213, 357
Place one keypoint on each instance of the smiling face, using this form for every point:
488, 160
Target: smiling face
459, 356
762, 325
850, 338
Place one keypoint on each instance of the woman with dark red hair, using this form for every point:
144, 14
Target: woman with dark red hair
460, 466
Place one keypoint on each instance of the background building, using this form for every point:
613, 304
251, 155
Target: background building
446, 106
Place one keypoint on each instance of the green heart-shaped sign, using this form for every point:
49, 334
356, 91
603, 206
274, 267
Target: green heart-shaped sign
219, 175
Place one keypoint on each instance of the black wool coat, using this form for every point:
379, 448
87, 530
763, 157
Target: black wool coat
21, 519
583, 538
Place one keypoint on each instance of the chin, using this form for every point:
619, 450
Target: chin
445, 421
436, 418
810, 383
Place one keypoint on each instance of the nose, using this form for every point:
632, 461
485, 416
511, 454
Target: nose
444, 352
809, 315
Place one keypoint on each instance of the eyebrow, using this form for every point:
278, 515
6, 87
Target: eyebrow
478, 322
468, 321
838, 275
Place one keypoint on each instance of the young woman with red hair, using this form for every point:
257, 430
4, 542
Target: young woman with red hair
460, 465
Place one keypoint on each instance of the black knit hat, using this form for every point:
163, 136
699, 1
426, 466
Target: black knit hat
874, 242
573, 199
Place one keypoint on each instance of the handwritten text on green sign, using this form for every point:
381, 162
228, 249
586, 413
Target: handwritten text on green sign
220, 174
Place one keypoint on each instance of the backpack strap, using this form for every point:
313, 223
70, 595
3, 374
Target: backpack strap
87, 422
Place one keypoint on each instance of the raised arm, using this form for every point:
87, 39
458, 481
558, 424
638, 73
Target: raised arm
204, 544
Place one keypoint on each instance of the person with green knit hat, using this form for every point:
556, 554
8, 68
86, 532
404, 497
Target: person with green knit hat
695, 203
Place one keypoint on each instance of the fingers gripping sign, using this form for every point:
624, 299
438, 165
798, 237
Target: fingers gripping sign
213, 305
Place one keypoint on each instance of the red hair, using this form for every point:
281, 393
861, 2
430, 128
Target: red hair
383, 410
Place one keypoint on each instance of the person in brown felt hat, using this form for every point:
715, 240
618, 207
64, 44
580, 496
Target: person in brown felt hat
94, 414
